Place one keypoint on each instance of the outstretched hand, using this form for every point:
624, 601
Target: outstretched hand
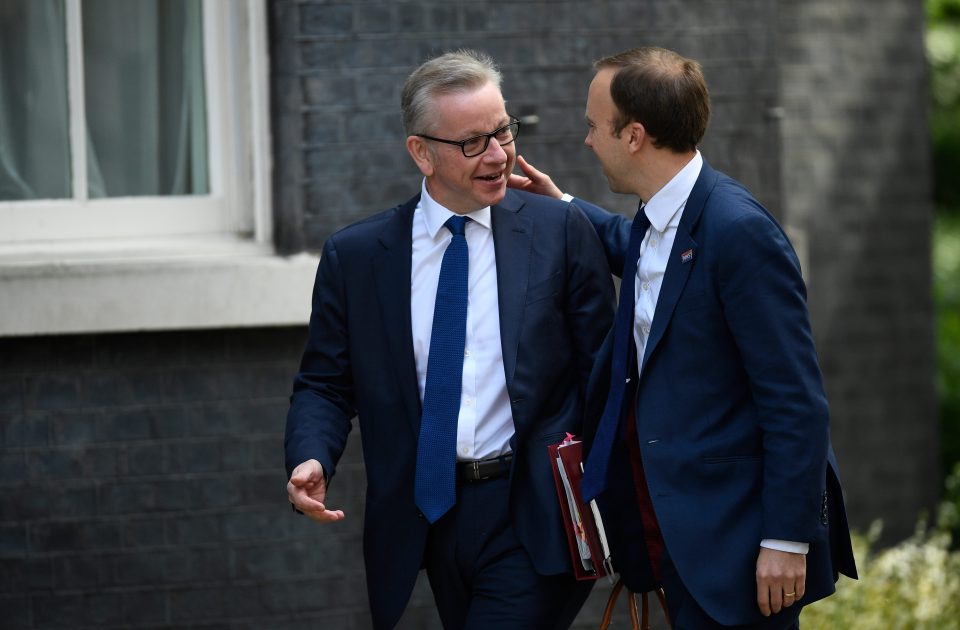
307, 490
533, 180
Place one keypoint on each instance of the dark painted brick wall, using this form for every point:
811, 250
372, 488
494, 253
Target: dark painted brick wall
339, 68
142, 485
856, 172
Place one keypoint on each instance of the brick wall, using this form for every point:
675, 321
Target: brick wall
339, 68
142, 485
856, 182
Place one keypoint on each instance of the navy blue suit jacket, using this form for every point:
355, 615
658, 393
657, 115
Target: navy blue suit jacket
731, 413
556, 304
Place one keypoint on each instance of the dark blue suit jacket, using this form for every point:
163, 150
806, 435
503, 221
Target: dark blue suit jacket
556, 304
731, 413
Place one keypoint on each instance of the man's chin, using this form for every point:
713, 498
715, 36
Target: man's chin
492, 197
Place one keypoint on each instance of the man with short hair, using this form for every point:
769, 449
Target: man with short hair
707, 421
460, 327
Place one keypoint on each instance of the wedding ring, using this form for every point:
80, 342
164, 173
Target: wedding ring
793, 594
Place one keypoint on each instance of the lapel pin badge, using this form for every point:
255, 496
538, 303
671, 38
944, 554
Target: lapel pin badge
686, 256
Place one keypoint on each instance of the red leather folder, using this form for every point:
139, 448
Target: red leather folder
586, 538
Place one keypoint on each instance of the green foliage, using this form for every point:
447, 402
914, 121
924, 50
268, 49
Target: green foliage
913, 586
943, 51
946, 295
943, 10
948, 518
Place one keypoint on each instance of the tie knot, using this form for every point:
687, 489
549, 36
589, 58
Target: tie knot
640, 220
456, 224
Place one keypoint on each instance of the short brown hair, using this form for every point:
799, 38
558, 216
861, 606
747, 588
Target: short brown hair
664, 92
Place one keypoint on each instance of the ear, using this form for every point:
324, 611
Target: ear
421, 154
636, 136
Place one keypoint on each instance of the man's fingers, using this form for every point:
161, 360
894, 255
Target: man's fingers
763, 598
303, 474
311, 507
308, 474
529, 171
318, 511
518, 181
776, 599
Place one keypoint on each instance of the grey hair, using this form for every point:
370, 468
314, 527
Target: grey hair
449, 73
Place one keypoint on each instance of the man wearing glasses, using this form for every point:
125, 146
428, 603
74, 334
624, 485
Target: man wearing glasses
460, 327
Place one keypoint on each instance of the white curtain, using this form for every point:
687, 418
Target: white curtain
145, 100
34, 119
146, 128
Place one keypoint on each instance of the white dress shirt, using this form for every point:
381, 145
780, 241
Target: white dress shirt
485, 424
664, 210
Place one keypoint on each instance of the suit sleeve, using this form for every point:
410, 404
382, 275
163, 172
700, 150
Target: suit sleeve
321, 406
590, 299
612, 229
764, 303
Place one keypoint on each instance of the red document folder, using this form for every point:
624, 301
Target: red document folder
586, 538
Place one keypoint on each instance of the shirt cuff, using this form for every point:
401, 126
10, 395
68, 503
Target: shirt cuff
785, 545
566, 197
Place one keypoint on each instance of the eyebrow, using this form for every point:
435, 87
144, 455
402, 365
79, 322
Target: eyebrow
503, 123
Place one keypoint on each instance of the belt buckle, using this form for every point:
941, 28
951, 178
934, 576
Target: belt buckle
476, 470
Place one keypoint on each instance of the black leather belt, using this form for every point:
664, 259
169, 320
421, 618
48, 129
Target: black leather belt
483, 469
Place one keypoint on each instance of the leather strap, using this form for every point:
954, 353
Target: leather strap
637, 621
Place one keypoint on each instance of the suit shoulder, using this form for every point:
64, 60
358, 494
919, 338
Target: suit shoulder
730, 202
529, 200
545, 208
368, 224
363, 230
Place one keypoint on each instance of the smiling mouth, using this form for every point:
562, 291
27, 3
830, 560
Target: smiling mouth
490, 178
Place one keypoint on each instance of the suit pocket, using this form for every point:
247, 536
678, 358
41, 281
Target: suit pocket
724, 459
544, 289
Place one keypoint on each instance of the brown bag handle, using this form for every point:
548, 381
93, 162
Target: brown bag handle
637, 622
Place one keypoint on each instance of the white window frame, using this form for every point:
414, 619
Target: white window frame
153, 263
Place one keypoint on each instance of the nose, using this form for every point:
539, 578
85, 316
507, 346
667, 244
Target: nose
495, 151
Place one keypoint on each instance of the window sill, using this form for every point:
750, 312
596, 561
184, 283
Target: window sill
164, 284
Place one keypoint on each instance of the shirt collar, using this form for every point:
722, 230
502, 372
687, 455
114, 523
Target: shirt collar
436, 215
664, 207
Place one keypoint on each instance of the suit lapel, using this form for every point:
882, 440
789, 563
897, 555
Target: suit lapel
392, 273
512, 240
683, 256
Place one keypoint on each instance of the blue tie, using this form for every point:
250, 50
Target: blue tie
435, 489
595, 469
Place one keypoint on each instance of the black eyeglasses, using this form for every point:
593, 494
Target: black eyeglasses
472, 147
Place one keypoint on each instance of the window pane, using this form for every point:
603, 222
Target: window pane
144, 87
34, 116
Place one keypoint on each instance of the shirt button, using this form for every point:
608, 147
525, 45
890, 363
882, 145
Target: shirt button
465, 450
646, 330
466, 353
645, 286
468, 402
